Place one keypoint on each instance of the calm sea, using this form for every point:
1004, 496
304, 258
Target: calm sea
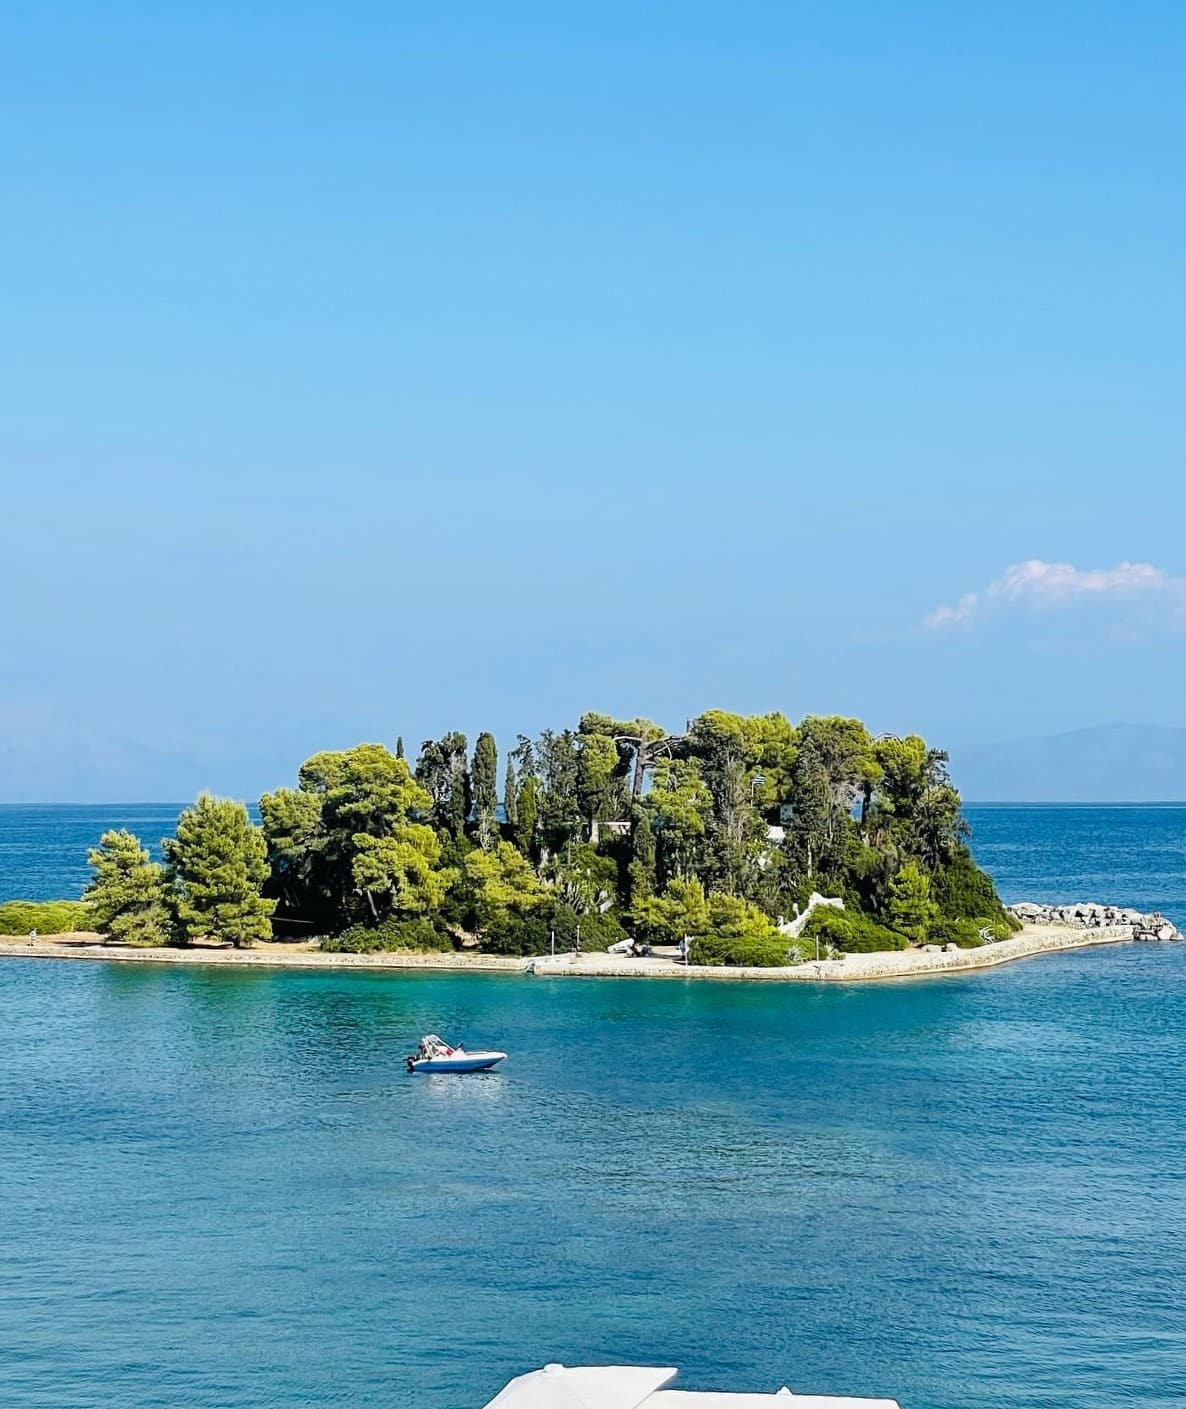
220, 1190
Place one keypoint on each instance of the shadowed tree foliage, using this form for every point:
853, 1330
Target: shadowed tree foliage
351, 842
442, 769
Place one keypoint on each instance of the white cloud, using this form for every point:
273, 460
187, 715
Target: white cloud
1043, 586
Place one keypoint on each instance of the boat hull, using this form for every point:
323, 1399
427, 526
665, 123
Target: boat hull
459, 1062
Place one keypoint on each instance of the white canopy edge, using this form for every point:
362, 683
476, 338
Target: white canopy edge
641, 1387
784, 1399
583, 1387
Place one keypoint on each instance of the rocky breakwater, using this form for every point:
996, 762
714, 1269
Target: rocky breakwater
1085, 916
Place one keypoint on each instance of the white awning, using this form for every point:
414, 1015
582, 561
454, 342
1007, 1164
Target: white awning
635, 1387
583, 1387
784, 1399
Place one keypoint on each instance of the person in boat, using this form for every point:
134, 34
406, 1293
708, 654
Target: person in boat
433, 1046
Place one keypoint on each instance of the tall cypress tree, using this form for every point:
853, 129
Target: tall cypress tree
526, 833
811, 796
484, 780
399, 747
642, 864
510, 795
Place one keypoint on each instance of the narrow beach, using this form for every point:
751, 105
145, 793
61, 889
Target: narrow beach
852, 968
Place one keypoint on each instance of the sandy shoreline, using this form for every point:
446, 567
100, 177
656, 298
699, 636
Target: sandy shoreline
853, 968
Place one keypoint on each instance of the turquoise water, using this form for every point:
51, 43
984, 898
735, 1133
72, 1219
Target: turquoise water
221, 1189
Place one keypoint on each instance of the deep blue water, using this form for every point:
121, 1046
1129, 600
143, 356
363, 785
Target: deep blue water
43, 848
221, 1190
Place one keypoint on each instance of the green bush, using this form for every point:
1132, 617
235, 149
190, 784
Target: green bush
966, 933
419, 934
516, 934
739, 951
963, 891
852, 932
45, 916
532, 934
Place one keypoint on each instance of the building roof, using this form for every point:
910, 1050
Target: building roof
637, 1387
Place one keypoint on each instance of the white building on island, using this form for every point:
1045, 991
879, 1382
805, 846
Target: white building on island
639, 1387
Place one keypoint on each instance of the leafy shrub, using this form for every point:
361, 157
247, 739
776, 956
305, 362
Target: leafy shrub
966, 933
739, 951
532, 934
731, 917
852, 932
681, 909
419, 934
45, 916
517, 934
963, 891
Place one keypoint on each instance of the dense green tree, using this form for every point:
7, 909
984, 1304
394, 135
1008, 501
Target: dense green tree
560, 819
939, 825
218, 862
681, 910
639, 744
911, 911
510, 796
316, 834
503, 883
846, 752
127, 895
442, 769
643, 859
399, 746
527, 827
484, 775
300, 877
811, 798
679, 807
399, 874
731, 917
600, 793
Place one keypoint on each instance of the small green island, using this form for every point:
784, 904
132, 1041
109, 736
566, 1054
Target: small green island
715, 838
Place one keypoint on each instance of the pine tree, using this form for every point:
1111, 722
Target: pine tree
399, 746
911, 911
484, 781
219, 862
127, 894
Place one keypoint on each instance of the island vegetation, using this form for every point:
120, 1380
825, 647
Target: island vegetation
611, 830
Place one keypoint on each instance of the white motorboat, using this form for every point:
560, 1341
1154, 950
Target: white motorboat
435, 1054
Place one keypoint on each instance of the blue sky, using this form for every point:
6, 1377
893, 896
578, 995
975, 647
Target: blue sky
383, 368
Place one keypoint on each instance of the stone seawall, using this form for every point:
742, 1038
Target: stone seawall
851, 968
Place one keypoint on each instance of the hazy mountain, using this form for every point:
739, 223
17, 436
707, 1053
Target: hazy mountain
1110, 763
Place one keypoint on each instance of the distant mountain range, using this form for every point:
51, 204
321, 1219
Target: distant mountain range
1109, 763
